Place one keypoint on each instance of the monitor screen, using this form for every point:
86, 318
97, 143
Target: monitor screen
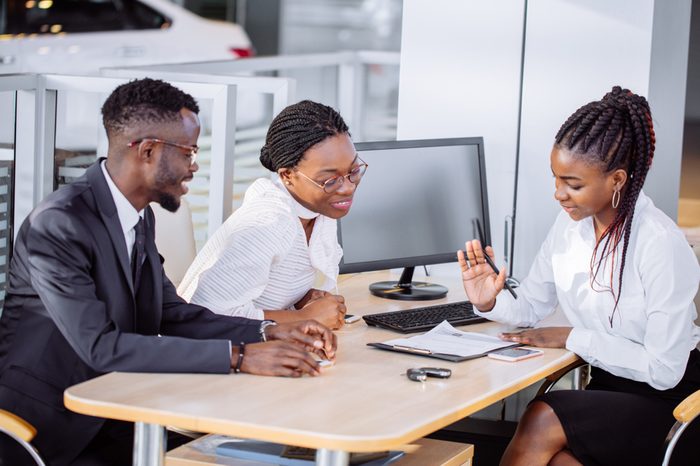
416, 205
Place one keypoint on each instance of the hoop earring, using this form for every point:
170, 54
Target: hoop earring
616, 199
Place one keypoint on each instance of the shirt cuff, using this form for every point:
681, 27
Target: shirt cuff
579, 341
500, 309
257, 314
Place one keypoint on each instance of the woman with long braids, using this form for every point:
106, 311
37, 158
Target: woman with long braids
276, 258
625, 277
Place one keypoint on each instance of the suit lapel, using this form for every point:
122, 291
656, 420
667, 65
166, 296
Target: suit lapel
108, 213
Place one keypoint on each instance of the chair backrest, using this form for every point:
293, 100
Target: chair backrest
21, 432
175, 240
686, 412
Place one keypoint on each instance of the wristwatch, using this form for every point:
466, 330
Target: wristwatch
263, 325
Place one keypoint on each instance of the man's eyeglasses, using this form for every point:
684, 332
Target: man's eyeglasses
191, 151
331, 185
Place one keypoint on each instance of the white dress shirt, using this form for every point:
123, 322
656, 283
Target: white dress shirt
652, 331
259, 259
128, 215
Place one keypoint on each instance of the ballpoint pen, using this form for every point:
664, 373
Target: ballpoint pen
412, 349
495, 269
477, 226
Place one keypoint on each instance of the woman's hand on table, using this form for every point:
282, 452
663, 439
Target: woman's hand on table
312, 295
328, 310
545, 337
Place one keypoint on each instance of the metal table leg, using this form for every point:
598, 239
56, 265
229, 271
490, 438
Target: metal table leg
149, 444
325, 457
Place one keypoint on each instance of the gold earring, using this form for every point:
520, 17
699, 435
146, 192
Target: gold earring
616, 199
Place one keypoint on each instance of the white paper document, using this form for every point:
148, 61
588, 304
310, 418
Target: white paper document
446, 339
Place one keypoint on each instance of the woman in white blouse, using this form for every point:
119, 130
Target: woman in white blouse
277, 256
625, 277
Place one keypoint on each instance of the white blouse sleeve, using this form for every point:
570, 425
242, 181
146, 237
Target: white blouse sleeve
536, 295
241, 271
669, 273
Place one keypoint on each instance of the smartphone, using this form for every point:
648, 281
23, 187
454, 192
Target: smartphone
515, 354
350, 318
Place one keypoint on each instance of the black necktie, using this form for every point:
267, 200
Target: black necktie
138, 253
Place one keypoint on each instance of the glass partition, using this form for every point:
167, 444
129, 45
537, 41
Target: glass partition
258, 99
363, 86
7, 162
78, 131
65, 113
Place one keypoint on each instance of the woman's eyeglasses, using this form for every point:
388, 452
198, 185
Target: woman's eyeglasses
191, 151
331, 185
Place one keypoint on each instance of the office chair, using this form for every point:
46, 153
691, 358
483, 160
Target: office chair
686, 411
581, 372
21, 431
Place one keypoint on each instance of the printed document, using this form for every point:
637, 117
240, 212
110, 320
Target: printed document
446, 339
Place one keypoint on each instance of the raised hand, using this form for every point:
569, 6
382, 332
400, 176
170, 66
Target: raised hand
329, 310
481, 283
281, 358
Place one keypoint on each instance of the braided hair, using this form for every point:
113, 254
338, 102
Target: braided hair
144, 101
616, 133
297, 128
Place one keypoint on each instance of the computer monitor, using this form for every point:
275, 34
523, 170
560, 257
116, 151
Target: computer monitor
417, 204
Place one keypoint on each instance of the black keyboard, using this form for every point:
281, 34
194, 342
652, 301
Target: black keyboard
424, 318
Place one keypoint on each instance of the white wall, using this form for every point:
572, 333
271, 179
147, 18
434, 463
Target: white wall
574, 53
460, 76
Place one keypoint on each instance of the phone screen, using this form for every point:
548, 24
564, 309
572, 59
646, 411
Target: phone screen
516, 352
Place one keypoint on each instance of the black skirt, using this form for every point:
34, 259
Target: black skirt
617, 421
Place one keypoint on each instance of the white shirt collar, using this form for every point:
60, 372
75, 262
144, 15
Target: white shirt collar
128, 215
299, 210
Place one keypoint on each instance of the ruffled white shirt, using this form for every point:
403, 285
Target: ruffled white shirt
653, 329
259, 259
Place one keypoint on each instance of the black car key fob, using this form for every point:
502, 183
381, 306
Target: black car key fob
439, 372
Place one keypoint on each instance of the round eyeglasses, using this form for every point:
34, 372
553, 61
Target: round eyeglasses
331, 185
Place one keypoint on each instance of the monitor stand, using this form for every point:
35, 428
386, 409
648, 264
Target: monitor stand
406, 289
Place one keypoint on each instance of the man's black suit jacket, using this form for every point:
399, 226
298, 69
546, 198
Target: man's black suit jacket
71, 314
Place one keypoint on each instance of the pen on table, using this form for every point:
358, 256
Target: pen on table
495, 269
412, 349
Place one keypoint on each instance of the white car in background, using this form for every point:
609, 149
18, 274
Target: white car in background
82, 36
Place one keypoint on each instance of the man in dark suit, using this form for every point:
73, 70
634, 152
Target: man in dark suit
87, 293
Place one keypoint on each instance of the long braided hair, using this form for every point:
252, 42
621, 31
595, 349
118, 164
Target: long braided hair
295, 129
616, 133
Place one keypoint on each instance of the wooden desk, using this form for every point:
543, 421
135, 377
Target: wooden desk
363, 403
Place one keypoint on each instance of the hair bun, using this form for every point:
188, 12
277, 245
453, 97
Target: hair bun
266, 158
